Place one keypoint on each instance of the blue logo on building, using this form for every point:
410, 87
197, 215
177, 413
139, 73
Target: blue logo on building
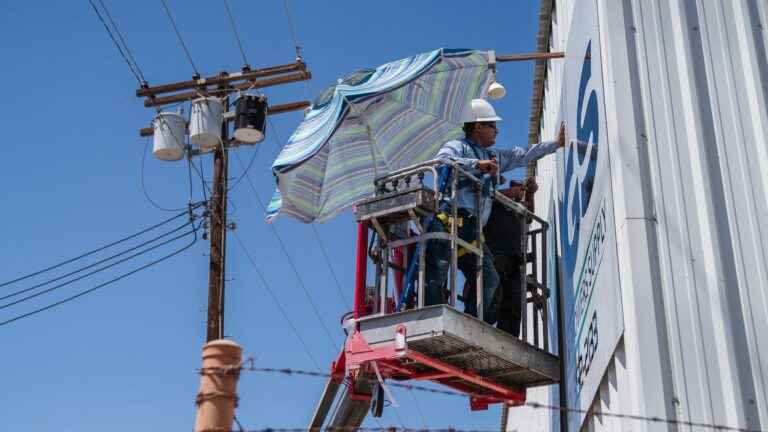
580, 167
580, 159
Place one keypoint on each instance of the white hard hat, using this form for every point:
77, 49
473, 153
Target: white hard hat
480, 110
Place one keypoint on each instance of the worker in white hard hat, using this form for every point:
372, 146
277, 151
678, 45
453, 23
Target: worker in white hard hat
474, 154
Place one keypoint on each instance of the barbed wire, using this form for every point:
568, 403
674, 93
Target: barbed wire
366, 429
247, 365
298, 372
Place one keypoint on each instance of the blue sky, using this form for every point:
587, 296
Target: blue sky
125, 357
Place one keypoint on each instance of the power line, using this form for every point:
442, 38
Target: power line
276, 300
42, 284
111, 36
234, 30
99, 249
178, 35
125, 45
102, 285
189, 177
292, 29
417, 405
320, 244
297, 46
399, 419
31, 296
330, 266
144, 187
291, 263
247, 169
202, 179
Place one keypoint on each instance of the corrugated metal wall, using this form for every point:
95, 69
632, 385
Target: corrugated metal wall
696, 72
686, 88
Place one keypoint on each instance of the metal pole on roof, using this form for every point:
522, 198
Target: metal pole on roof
530, 56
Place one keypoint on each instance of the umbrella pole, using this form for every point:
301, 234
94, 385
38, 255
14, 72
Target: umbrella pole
361, 268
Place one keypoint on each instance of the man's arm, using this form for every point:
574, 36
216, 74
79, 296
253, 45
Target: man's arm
517, 157
452, 150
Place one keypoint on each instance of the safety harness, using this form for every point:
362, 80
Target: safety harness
447, 220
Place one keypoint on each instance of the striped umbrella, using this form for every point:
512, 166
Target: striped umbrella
372, 122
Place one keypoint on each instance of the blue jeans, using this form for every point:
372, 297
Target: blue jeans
438, 263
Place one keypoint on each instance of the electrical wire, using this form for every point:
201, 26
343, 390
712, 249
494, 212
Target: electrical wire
91, 273
399, 419
276, 300
266, 284
234, 30
180, 142
102, 285
189, 177
292, 29
120, 49
247, 169
320, 243
330, 267
42, 284
261, 276
288, 257
125, 45
144, 187
202, 179
240, 427
101, 248
297, 46
418, 409
178, 35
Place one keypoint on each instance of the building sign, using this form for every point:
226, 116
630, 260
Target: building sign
593, 322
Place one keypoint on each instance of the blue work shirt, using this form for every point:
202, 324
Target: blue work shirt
467, 154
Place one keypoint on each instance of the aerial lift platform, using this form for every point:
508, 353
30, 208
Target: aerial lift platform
392, 335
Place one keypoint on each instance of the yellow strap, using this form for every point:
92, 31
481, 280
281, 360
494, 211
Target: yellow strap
460, 252
447, 221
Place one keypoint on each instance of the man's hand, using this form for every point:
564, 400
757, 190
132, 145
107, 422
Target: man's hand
561, 135
530, 185
514, 192
488, 166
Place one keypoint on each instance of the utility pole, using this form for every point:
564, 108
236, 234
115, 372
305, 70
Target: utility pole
218, 235
222, 85
217, 397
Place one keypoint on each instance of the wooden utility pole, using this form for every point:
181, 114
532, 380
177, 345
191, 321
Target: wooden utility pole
218, 235
222, 85
217, 397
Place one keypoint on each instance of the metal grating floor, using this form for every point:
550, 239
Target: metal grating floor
465, 342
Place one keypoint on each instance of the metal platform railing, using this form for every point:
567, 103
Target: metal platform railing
402, 212
394, 335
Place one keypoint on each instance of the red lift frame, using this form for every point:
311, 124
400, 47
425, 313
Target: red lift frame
398, 362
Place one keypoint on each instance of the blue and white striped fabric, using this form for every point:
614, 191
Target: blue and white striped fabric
373, 122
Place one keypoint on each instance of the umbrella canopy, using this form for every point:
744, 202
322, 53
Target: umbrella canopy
373, 122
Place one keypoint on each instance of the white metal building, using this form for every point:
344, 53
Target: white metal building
662, 210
